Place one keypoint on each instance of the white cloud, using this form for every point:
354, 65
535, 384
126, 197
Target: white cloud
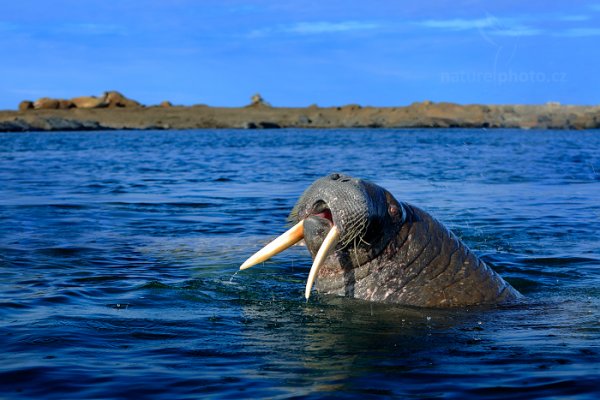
458, 24
91, 29
518, 26
574, 18
317, 28
311, 28
580, 32
490, 25
517, 31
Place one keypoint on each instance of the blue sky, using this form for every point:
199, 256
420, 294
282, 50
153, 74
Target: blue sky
295, 53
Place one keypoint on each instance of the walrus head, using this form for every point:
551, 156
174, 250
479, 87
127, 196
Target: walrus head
345, 222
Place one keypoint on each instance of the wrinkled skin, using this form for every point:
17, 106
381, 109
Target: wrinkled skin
391, 251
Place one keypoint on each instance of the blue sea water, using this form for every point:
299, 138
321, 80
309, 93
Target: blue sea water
119, 252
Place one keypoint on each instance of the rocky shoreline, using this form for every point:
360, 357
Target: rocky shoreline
260, 115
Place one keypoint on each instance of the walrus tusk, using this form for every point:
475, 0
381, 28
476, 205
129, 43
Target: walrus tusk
287, 239
329, 243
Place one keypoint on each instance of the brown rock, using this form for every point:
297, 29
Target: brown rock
45, 103
257, 98
88, 102
65, 104
202, 116
115, 99
25, 105
258, 101
351, 107
166, 104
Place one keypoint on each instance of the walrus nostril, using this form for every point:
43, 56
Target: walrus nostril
339, 177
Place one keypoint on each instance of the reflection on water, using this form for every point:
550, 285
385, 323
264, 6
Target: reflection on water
119, 254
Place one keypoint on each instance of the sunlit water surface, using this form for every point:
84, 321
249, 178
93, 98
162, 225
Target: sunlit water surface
119, 252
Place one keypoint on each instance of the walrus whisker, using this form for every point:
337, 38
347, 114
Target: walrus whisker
355, 229
355, 253
362, 239
328, 244
282, 242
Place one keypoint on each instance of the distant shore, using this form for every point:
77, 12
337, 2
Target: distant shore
263, 116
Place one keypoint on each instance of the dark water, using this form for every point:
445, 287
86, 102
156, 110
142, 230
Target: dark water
118, 253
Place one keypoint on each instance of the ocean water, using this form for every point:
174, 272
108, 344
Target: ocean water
119, 254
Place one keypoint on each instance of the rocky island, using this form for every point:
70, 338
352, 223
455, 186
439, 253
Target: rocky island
114, 111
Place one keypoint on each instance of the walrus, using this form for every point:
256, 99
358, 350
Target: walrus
89, 102
367, 245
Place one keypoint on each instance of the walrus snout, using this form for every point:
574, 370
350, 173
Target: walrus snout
347, 201
316, 229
